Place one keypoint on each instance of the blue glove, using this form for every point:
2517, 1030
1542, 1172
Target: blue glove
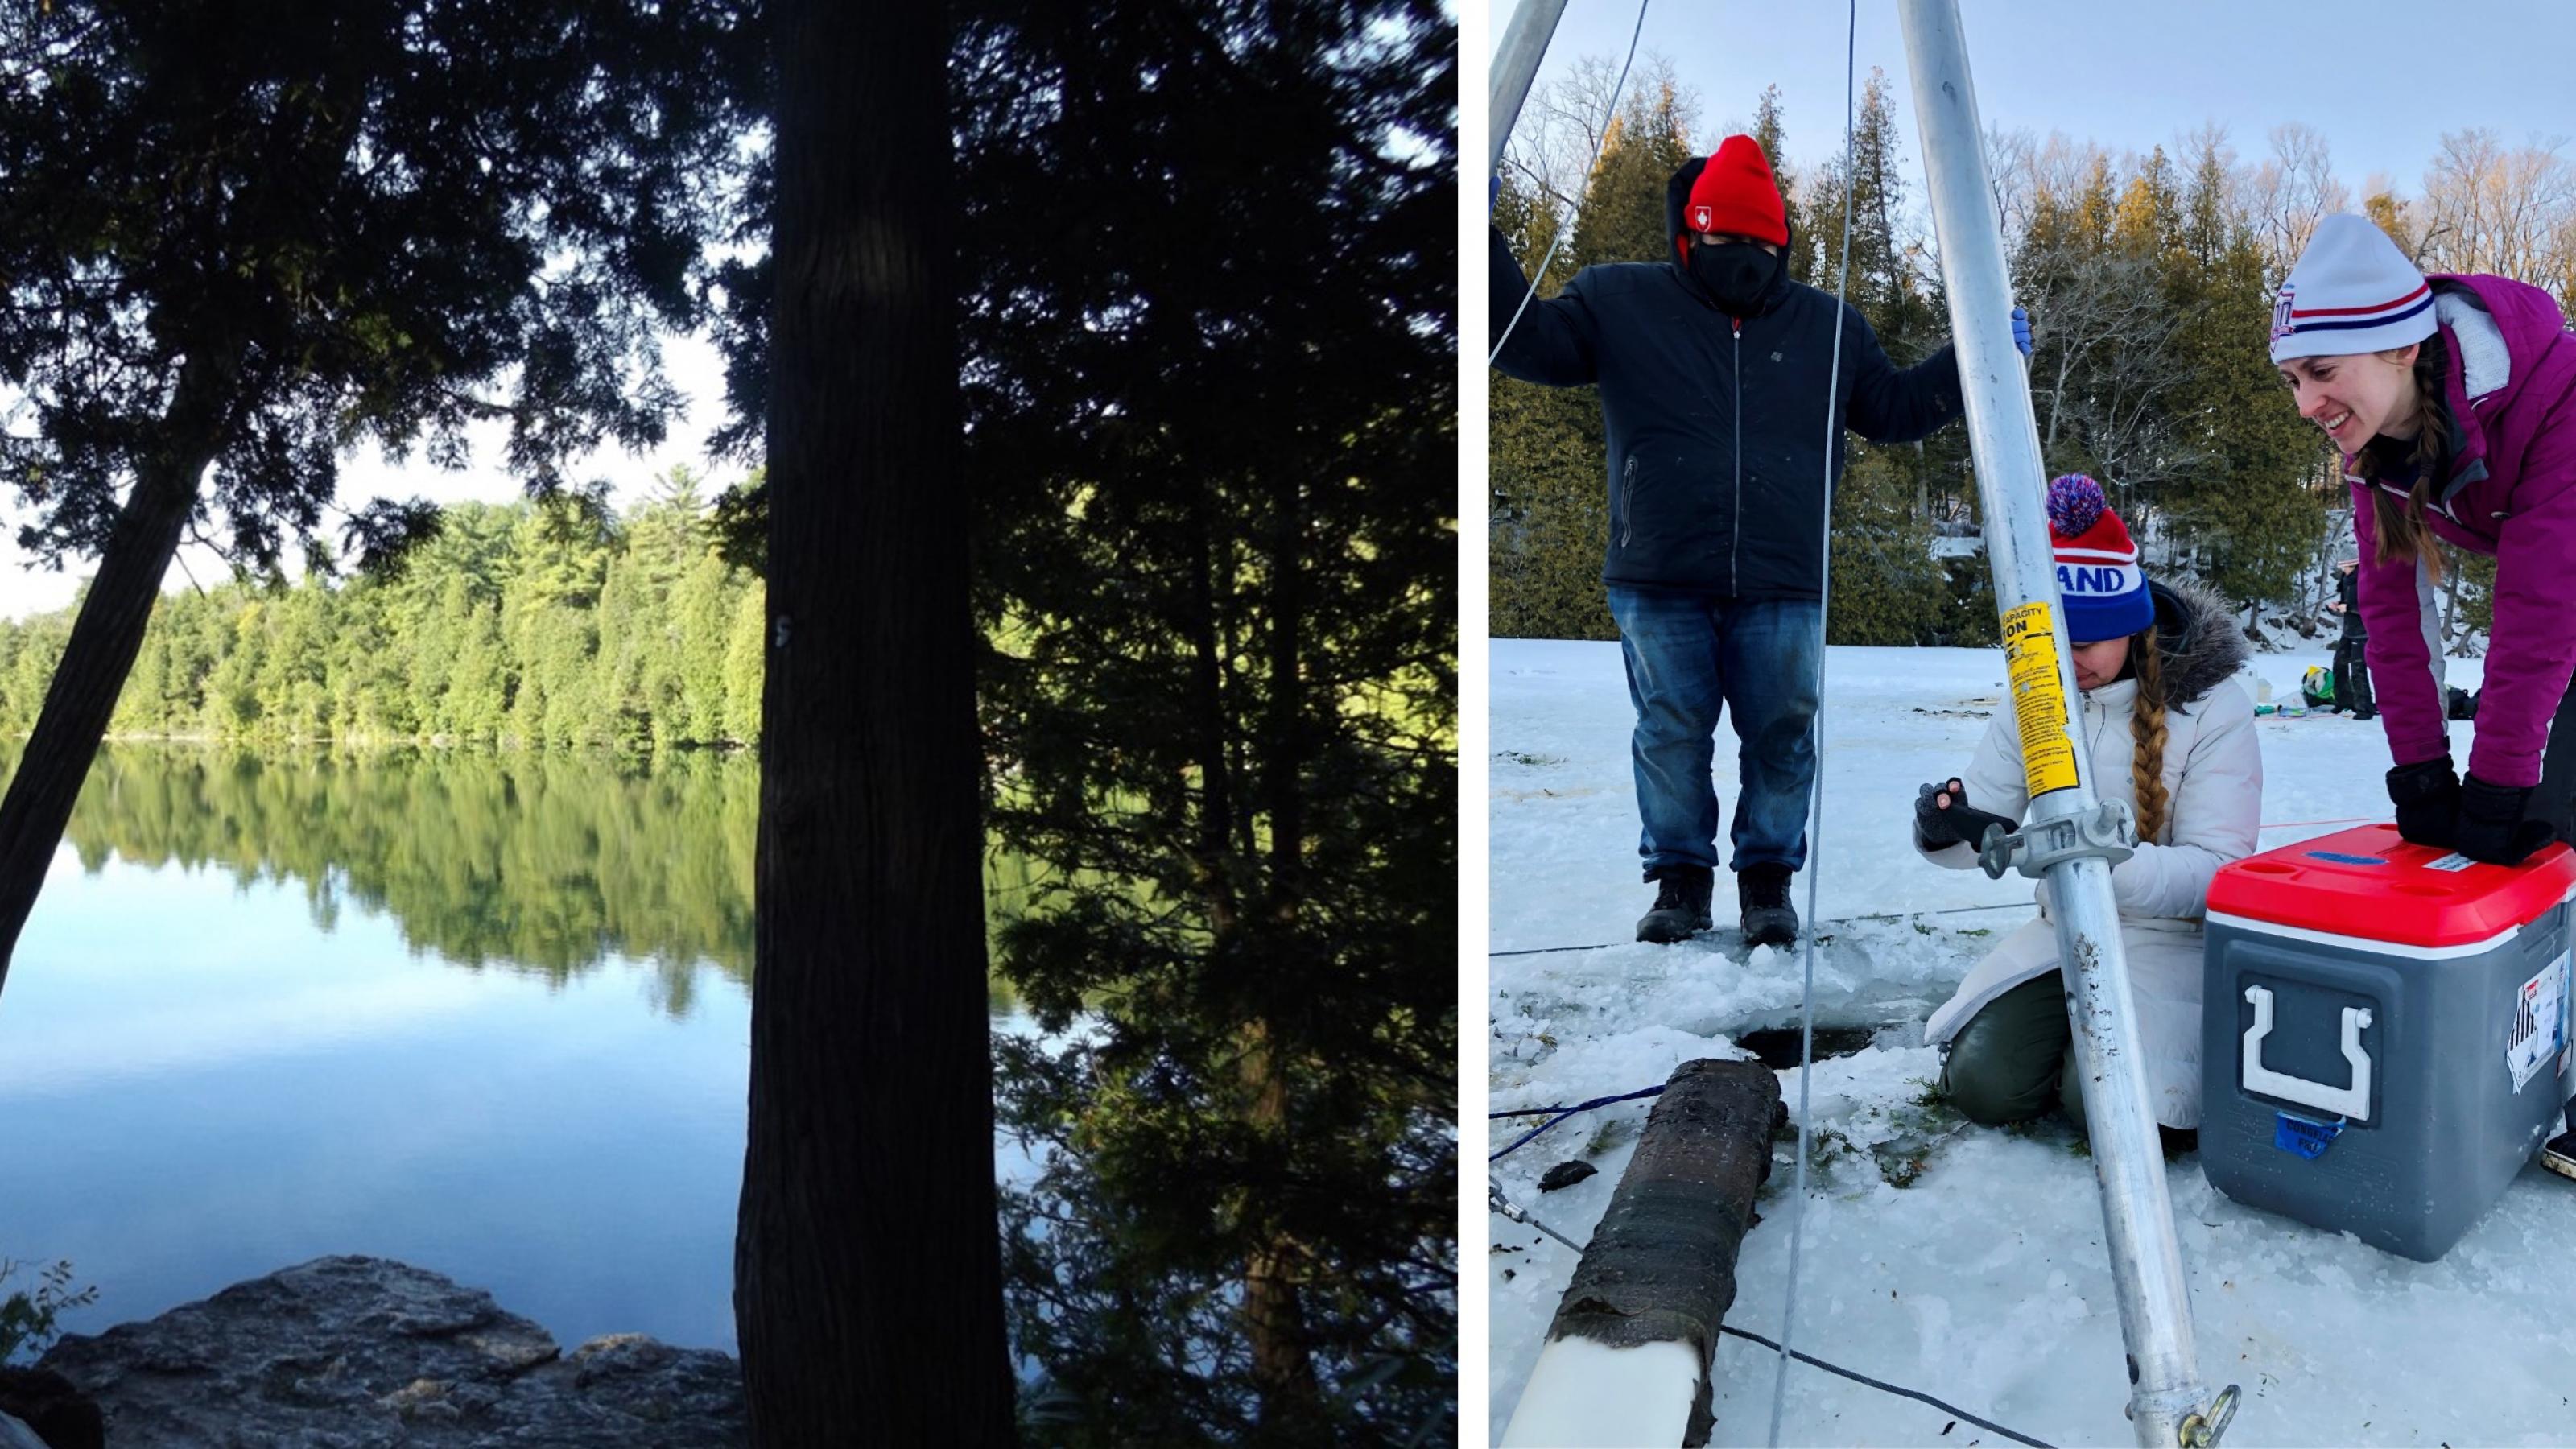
1493, 192
2021, 330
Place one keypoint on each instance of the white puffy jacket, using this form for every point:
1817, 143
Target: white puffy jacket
2213, 775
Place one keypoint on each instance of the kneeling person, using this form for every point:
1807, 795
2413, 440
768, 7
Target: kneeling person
2164, 727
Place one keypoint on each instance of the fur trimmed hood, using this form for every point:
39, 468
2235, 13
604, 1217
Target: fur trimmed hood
2197, 635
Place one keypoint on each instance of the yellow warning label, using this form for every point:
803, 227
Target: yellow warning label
2039, 699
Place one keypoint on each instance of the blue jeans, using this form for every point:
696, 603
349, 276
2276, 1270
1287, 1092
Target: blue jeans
1689, 656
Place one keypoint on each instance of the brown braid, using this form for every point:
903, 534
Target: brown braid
2401, 524
2147, 726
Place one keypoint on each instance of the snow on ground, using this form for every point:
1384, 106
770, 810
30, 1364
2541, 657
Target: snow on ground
1956, 1260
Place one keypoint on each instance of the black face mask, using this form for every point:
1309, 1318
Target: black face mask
1736, 274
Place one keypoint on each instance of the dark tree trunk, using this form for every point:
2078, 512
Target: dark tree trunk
1274, 1310
105, 638
867, 1276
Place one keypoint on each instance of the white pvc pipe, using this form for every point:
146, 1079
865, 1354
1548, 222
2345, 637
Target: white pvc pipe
1584, 1394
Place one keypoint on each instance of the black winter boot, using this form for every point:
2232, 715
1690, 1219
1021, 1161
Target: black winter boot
1769, 919
1681, 905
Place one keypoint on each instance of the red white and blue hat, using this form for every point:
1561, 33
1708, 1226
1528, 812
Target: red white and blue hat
2352, 291
2098, 578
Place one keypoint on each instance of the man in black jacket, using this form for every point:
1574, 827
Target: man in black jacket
1715, 373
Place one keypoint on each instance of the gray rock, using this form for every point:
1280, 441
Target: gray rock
357, 1353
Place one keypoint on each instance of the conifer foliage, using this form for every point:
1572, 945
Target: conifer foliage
1210, 362
524, 626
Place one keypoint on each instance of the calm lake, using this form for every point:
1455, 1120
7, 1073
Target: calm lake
486, 1014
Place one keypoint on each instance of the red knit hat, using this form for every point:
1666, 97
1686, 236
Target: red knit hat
1735, 193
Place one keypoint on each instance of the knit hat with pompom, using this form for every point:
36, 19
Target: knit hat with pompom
2097, 565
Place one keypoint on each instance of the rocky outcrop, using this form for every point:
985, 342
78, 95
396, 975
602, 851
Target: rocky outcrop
355, 1353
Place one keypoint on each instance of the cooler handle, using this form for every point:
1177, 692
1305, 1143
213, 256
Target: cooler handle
2352, 1102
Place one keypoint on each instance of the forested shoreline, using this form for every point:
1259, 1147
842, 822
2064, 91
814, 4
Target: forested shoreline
528, 625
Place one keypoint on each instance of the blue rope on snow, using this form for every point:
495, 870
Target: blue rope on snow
1561, 1113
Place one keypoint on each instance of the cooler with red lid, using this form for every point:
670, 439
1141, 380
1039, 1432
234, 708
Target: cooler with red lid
2385, 1036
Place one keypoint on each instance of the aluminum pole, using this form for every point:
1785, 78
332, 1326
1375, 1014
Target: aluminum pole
1516, 66
2137, 1217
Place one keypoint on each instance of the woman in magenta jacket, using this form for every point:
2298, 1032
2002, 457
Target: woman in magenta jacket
2449, 397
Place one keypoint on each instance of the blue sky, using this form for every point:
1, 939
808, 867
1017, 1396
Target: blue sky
2133, 75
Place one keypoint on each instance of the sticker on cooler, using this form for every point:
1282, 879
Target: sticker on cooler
2454, 862
2539, 1023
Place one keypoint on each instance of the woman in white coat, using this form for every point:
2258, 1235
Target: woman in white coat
2165, 728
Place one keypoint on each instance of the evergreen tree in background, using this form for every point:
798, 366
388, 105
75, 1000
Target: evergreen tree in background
1213, 423
527, 625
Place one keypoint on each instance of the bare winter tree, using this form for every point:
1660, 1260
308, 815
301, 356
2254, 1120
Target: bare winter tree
2012, 158
1563, 123
2107, 359
2489, 207
2292, 191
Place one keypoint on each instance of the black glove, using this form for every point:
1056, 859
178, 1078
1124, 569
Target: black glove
2491, 827
2427, 795
1942, 816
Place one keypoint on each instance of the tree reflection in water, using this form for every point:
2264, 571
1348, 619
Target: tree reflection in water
543, 863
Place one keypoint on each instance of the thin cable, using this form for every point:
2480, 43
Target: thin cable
1816, 797
1525, 1138
1654, 1091
1989, 1425
1514, 1212
1836, 921
1618, 92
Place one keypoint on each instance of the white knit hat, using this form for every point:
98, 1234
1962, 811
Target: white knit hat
2352, 291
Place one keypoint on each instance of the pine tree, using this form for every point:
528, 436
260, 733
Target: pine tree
1218, 574
1768, 134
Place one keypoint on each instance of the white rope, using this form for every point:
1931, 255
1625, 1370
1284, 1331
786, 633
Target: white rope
1618, 92
1816, 797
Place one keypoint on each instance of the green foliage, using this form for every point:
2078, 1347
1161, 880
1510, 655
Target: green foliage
1623, 217
1217, 579
531, 625
2250, 515
27, 1316
262, 235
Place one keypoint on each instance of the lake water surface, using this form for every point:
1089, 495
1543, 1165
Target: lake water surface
489, 1015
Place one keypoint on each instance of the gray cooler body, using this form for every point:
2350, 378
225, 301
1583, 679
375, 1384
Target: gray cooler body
2371, 1088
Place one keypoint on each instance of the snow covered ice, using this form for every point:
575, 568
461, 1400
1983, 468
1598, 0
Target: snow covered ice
1958, 1260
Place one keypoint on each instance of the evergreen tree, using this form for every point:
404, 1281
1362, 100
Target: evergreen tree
1218, 575
1768, 133
452, 647
2248, 514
